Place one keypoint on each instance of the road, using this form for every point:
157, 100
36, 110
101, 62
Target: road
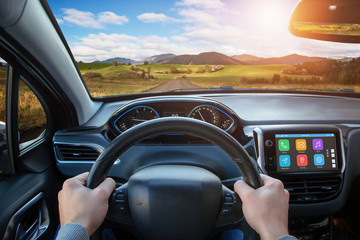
173, 84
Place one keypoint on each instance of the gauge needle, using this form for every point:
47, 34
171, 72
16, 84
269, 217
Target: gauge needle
201, 116
139, 120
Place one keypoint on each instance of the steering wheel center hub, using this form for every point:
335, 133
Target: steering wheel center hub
174, 201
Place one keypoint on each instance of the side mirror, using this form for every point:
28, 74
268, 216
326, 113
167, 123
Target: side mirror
330, 20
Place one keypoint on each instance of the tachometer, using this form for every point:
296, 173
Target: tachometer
212, 115
134, 116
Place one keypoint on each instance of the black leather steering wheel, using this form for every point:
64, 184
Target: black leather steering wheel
174, 201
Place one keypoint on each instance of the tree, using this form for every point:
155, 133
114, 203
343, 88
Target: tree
200, 70
146, 63
207, 68
133, 68
276, 78
173, 69
114, 63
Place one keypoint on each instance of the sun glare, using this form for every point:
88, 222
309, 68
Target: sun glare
271, 16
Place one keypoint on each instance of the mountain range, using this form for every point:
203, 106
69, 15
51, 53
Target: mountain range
211, 58
117, 59
289, 59
215, 58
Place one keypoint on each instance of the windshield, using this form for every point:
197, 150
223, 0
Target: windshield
127, 47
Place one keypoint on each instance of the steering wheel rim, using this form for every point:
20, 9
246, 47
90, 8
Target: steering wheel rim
210, 190
170, 125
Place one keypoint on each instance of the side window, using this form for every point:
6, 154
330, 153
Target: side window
31, 116
6, 167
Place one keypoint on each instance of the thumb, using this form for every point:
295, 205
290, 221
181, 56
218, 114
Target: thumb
242, 189
108, 185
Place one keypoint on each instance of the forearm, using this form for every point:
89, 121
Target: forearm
72, 231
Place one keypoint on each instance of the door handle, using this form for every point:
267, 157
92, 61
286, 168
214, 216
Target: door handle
22, 234
30, 221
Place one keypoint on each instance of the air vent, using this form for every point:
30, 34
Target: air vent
67, 152
313, 189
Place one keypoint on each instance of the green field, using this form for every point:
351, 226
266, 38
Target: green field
120, 80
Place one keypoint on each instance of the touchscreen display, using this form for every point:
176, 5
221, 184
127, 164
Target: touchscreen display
306, 152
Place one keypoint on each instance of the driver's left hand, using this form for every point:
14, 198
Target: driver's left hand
81, 205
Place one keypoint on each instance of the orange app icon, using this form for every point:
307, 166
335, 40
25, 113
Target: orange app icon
300, 144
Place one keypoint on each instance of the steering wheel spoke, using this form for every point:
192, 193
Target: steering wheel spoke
119, 211
231, 209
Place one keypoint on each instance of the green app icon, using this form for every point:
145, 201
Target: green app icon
284, 145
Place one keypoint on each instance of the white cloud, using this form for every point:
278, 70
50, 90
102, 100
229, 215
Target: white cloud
196, 16
90, 20
208, 4
103, 46
60, 21
154, 17
112, 18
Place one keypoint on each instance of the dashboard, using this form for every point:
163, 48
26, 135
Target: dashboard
310, 142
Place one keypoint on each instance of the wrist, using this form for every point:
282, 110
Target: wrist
273, 234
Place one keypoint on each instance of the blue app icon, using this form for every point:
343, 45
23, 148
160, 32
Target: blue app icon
319, 160
284, 160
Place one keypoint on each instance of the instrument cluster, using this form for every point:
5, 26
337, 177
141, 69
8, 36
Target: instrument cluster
211, 112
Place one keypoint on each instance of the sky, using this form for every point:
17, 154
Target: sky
99, 30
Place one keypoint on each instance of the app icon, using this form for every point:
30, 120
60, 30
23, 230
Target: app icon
302, 160
300, 144
317, 144
319, 160
284, 145
284, 160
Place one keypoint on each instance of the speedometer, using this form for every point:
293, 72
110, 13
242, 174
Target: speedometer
213, 115
206, 114
134, 116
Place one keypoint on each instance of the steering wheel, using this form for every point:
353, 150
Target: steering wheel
174, 201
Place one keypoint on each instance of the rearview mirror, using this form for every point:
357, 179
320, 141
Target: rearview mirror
330, 20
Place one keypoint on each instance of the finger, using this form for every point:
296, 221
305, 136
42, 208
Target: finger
266, 179
242, 188
81, 178
108, 185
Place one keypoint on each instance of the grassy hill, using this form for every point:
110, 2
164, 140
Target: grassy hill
92, 66
211, 58
289, 59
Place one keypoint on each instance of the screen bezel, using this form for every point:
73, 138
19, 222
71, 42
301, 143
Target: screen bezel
270, 132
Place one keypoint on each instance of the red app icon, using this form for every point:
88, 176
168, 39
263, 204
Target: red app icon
302, 160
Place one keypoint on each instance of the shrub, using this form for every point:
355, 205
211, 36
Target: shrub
207, 68
173, 69
200, 70
91, 75
134, 68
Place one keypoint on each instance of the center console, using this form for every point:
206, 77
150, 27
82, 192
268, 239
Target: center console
309, 160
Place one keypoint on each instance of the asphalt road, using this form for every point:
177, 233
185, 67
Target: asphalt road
173, 84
